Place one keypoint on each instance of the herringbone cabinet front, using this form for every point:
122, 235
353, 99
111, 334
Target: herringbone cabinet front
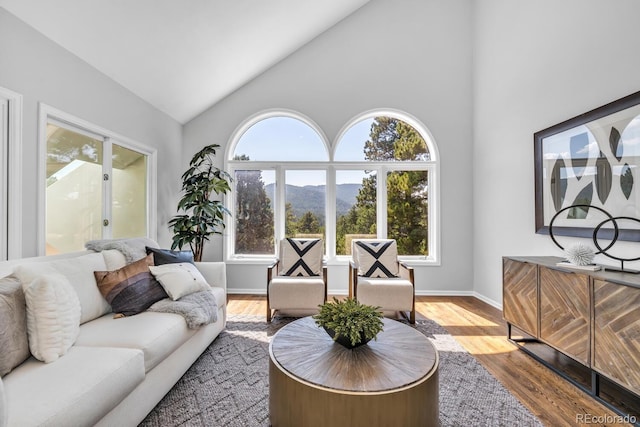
591, 317
616, 337
520, 295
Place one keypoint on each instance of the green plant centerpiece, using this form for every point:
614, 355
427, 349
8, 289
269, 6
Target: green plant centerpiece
203, 217
349, 322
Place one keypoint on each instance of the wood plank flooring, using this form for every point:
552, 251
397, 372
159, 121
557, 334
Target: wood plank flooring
481, 330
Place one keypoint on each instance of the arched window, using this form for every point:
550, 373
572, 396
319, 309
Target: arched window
278, 161
385, 176
378, 180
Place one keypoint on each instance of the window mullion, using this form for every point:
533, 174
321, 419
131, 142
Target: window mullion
280, 203
330, 212
381, 196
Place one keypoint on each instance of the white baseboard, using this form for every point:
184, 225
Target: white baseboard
444, 293
250, 291
246, 291
488, 300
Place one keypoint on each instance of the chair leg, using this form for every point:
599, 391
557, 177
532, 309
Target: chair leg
409, 315
268, 310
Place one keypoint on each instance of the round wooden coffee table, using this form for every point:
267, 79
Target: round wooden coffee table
314, 381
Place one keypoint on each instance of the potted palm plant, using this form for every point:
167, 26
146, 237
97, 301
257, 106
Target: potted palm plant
349, 322
203, 217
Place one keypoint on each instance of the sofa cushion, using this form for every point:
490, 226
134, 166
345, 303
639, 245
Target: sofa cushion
131, 289
13, 318
77, 390
79, 272
167, 256
179, 279
156, 334
53, 316
392, 293
301, 257
290, 293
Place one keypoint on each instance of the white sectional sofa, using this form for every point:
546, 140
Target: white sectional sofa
118, 369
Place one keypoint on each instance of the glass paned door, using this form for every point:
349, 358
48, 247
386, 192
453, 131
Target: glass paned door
73, 189
129, 193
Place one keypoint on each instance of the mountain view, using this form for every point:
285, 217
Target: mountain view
311, 198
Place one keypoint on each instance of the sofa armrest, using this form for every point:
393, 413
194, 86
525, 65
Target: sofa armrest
215, 273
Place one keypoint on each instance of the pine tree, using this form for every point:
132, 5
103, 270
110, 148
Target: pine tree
254, 216
407, 203
309, 224
290, 221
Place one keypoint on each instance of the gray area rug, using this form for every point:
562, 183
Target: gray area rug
229, 384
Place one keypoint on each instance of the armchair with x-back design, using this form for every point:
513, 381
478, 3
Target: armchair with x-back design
378, 278
297, 280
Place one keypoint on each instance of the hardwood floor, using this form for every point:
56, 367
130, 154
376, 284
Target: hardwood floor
481, 330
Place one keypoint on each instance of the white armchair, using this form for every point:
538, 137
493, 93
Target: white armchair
378, 278
297, 280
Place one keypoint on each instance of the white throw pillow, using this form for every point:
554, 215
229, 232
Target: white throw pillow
79, 271
179, 279
53, 316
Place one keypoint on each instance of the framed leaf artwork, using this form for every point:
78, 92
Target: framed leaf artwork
590, 160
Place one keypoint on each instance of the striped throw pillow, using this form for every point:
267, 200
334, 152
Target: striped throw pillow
131, 289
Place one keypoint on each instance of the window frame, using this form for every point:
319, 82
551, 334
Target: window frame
11, 182
331, 167
48, 114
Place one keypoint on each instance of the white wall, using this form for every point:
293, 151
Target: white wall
42, 71
537, 64
410, 55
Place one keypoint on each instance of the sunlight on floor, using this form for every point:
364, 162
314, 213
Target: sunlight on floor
486, 345
463, 317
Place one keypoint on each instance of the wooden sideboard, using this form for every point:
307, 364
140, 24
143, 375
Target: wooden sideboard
592, 317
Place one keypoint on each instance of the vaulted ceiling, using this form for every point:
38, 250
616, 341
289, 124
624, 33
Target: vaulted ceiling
182, 56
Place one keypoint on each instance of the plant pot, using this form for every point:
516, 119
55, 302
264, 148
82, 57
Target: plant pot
345, 341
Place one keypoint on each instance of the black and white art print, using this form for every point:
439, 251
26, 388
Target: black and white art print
591, 160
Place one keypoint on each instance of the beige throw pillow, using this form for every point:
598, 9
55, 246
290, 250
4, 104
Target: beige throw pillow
179, 279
